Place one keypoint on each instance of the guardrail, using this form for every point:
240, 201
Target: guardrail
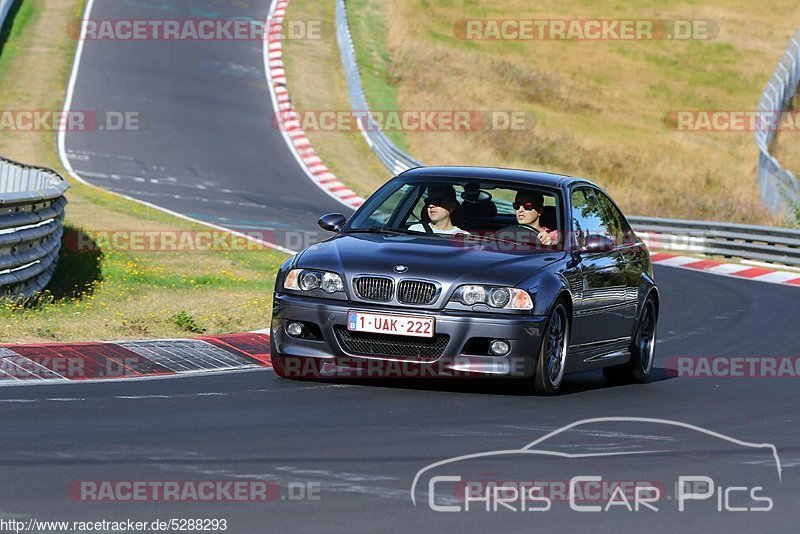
779, 187
5, 7
392, 157
31, 216
754, 243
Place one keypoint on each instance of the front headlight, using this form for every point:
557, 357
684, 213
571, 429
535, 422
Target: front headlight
332, 282
310, 279
508, 298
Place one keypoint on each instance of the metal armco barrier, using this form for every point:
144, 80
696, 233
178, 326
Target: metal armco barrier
756, 243
31, 216
392, 157
779, 188
5, 7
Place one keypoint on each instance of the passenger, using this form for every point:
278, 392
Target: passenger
528, 207
441, 212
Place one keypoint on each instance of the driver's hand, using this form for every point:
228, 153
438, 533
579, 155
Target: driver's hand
545, 238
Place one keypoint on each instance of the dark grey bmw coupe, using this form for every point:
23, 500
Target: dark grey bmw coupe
467, 271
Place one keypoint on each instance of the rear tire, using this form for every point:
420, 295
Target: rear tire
549, 374
643, 347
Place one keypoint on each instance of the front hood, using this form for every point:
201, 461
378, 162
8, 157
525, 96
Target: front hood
447, 261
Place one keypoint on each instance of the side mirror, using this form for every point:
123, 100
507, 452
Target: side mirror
598, 243
332, 222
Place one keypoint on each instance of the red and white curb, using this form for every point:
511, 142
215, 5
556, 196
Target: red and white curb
71, 362
138, 360
287, 118
734, 270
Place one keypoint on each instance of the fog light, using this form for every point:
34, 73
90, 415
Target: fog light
294, 329
499, 347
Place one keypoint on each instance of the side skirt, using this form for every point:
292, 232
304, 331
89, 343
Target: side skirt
597, 355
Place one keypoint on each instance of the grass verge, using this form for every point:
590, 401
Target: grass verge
106, 292
316, 83
599, 107
380, 74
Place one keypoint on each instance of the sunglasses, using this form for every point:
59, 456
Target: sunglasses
527, 206
436, 201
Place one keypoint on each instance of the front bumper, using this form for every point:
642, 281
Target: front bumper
524, 332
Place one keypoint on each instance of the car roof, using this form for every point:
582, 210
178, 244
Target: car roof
493, 173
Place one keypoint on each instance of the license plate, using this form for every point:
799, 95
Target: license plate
396, 325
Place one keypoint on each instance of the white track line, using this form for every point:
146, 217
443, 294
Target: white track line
188, 374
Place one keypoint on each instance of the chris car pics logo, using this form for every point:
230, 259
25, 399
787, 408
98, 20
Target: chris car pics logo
503, 481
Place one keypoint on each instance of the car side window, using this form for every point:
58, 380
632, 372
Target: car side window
382, 215
587, 216
620, 231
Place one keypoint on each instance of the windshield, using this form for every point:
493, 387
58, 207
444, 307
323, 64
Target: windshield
484, 210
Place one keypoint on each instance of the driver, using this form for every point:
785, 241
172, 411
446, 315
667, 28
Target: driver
528, 207
441, 208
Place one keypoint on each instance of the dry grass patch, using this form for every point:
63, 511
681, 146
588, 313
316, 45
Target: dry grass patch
600, 107
316, 83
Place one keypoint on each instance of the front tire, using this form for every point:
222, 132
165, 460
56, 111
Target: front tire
549, 375
638, 368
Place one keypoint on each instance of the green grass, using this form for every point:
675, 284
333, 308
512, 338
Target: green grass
379, 72
187, 322
17, 20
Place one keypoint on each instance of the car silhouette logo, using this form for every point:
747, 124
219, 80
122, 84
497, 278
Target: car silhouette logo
400, 268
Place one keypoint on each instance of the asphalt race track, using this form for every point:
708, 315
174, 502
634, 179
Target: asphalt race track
208, 142
362, 444
205, 144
